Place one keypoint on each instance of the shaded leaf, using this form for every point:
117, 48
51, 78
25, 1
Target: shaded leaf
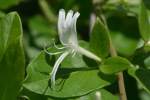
142, 76
123, 44
147, 62
28, 95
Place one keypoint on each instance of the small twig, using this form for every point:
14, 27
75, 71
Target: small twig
113, 53
120, 75
47, 11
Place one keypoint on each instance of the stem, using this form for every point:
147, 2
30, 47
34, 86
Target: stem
47, 11
121, 86
120, 75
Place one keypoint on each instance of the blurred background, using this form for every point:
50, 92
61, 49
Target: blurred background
39, 20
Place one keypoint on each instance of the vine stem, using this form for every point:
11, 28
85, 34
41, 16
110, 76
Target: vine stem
121, 84
47, 11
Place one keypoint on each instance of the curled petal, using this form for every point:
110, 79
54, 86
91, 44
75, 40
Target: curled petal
74, 20
73, 34
67, 27
68, 19
61, 24
61, 21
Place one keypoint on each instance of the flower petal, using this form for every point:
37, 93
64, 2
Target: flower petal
73, 34
67, 28
61, 24
68, 19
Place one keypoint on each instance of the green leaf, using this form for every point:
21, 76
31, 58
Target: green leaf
147, 3
114, 65
78, 60
69, 82
11, 56
147, 62
142, 76
123, 44
4, 4
73, 61
28, 95
144, 95
144, 24
104, 95
2, 14
99, 40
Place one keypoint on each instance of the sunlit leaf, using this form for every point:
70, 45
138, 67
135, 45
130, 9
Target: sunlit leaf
98, 94
115, 64
99, 39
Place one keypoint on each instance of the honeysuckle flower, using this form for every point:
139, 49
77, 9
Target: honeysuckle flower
68, 38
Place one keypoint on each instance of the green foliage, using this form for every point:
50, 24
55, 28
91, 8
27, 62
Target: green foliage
114, 65
92, 96
99, 40
8, 3
147, 62
41, 30
11, 66
124, 24
123, 44
144, 24
142, 76
80, 80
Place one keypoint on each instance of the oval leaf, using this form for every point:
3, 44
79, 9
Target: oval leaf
69, 82
99, 39
11, 56
114, 65
144, 24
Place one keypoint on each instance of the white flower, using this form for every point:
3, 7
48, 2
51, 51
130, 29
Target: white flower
68, 38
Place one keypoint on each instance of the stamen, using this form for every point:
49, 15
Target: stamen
59, 48
55, 68
74, 53
55, 53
